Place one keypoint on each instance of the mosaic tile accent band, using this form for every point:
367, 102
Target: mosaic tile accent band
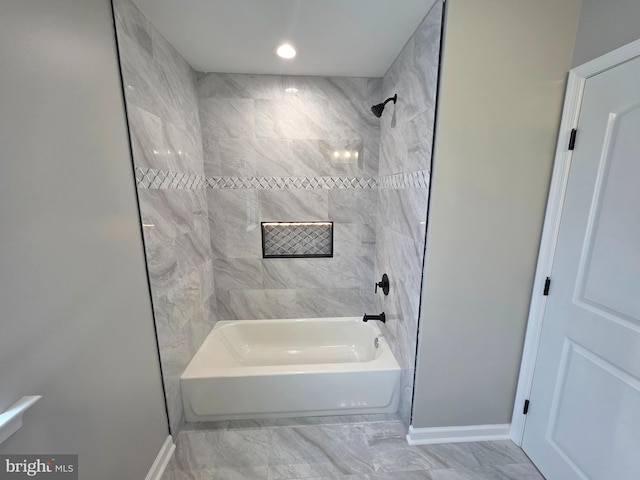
417, 179
150, 178
298, 183
161, 179
297, 239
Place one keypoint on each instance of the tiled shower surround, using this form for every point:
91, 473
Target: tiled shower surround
406, 142
162, 109
216, 154
267, 127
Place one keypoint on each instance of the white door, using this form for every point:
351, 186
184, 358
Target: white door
584, 414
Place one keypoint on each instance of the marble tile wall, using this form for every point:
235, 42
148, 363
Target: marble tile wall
404, 167
292, 149
164, 126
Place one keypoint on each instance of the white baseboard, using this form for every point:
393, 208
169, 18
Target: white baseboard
161, 461
471, 433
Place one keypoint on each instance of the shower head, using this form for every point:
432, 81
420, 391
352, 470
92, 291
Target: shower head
378, 109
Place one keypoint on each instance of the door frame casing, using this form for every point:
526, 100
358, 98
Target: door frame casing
559, 178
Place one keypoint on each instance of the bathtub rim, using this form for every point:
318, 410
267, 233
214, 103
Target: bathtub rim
386, 361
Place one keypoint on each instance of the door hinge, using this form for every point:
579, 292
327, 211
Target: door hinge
572, 139
547, 284
525, 410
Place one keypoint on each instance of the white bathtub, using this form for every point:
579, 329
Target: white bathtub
281, 368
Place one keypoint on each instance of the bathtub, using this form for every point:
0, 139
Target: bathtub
291, 368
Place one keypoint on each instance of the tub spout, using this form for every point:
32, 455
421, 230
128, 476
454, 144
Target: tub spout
380, 317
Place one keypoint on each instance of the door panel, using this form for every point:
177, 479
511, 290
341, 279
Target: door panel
611, 225
587, 385
584, 415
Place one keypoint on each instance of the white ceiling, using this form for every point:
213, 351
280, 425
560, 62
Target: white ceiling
333, 37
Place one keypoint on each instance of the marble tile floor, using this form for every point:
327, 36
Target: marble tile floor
369, 448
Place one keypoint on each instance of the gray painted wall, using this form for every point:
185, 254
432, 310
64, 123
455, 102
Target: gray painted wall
162, 108
605, 26
76, 314
500, 100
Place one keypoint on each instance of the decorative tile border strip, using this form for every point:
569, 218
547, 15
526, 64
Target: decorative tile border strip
283, 183
150, 178
417, 179
160, 179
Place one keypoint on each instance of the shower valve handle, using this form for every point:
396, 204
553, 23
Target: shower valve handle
384, 284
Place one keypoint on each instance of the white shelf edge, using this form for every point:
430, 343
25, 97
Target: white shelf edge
11, 419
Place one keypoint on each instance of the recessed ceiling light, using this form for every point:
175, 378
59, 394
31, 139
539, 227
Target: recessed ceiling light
286, 51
